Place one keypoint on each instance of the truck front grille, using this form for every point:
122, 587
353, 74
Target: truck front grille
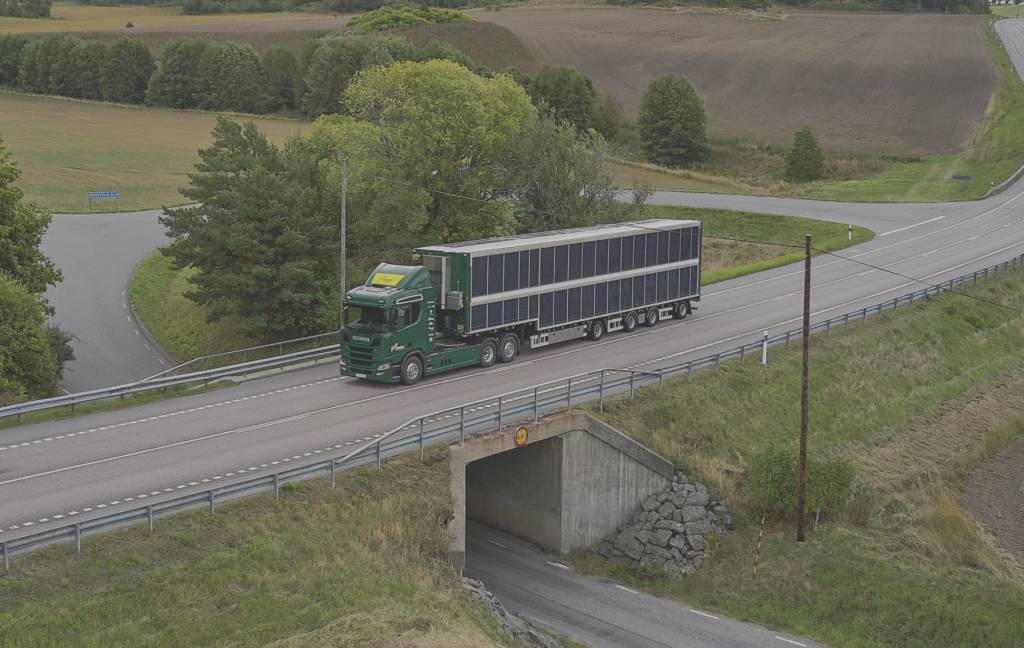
360, 357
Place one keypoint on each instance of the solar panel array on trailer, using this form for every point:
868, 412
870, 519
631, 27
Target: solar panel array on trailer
556, 279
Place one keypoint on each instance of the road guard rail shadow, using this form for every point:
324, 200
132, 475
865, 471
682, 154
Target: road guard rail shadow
447, 425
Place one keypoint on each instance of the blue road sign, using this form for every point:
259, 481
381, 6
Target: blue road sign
102, 194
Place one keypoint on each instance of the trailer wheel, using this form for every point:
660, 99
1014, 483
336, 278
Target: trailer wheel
681, 310
412, 370
629, 322
651, 318
509, 348
488, 353
596, 330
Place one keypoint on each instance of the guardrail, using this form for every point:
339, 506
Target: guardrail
458, 422
1002, 185
163, 381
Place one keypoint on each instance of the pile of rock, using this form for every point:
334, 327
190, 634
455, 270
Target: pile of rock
670, 530
521, 630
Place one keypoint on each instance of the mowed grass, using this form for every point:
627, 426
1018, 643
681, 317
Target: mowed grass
743, 167
70, 17
66, 148
179, 325
360, 565
914, 399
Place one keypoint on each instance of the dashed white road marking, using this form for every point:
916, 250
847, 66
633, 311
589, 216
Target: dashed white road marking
627, 589
497, 544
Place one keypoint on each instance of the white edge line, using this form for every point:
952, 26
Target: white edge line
790, 641
704, 614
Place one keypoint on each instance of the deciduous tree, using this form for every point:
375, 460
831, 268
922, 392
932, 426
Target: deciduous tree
10, 58
569, 93
125, 72
231, 78
672, 122
280, 74
804, 161
175, 83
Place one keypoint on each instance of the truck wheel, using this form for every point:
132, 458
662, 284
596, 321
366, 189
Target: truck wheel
629, 322
651, 318
681, 310
488, 353
509, 348
596, 330
412, 370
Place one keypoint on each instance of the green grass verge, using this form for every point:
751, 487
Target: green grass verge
177, 323
67, 147
914, 399
360, 565
740, 167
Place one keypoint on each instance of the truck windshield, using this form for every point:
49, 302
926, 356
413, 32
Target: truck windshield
366, 318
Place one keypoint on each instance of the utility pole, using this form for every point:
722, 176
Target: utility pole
343, 172
801, 488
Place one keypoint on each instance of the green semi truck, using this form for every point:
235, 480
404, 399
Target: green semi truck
480, 302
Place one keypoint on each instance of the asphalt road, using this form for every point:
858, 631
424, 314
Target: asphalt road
596, 612
97, 253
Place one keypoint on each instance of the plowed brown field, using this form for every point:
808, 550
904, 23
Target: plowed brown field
903, 84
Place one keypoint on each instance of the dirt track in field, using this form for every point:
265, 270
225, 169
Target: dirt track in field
902, 84
994, 495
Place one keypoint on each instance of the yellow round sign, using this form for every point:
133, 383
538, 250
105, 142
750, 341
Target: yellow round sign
521, 435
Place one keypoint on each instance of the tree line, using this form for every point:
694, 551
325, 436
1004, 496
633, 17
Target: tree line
32, 352
436, 153
26, 8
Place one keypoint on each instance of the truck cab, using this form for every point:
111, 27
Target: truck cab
386, 321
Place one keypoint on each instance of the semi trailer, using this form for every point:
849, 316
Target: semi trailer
481, 302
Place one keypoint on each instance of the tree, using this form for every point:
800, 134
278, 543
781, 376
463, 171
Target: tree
175, 83
804, 160
125, 72
89, 58
28, 368
263, 249
22, 228
280, 73
569, 94
10, 58
331, 67
672, 122
231, 78
445, 128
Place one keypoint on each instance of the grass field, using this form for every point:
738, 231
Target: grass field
66, 148
1008, 11
180, 328
914, 400
360, 565
71, 17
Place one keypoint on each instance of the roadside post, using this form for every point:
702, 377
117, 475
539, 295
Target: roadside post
849, 232
764, 348
100, 194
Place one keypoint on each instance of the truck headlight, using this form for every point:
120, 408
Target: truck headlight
384, 366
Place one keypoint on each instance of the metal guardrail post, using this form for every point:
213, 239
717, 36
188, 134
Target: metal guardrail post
334, 480
600, 393
743, 351
568, 397
828, 326
689, 371
212, 496
378, 455
277, 487
499, 413
718, 360
536, 406
149, 516
661, 377
462, 424
846, 321
421, 439
788, 334
78, 538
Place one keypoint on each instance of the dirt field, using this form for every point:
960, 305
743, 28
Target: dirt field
914, 84
994, 495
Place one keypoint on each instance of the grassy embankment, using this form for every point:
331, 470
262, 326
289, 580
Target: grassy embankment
66, 148
742, 167
179, 325
914, 399
361, 565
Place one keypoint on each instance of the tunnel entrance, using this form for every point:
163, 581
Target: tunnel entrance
562, 483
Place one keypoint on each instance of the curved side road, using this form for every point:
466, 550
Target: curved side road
97, 254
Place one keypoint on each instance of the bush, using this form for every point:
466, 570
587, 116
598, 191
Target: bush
804, 161
28, 368
11, 46
176, 81
773, 481
672, 122
125, 72
569, 93
391, 17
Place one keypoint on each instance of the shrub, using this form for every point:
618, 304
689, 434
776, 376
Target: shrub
390, 17
125, 72
804, 161
11, 46
672, 122
773, 481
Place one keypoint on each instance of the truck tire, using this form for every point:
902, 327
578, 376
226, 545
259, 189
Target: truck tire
412, 370
596, 329
509, 348
681, 310
629, 322
488, 353
651, 317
